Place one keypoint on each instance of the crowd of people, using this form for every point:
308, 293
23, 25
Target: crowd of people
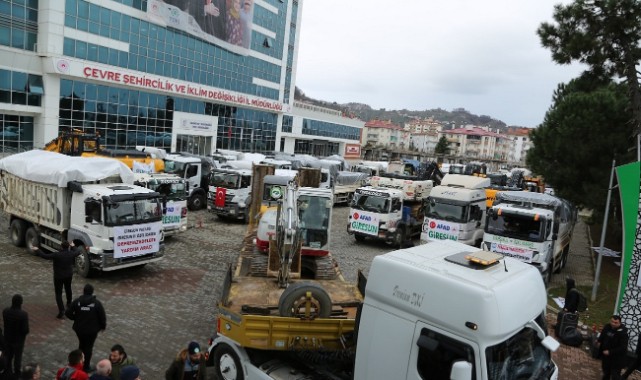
89, 319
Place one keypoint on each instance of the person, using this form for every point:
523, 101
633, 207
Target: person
119, 359
89, 318
613, 348
63, 262
30, 371
74, 368
636, 364
246, 20
571, 296
234, 26
16, 329
130, 372
5, 373
188, 365
103, 371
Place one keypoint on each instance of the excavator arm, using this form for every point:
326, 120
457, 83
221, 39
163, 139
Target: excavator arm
74, 143
288, 233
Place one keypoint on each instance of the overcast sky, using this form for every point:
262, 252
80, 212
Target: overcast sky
483, 56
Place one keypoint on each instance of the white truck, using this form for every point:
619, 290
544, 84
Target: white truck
229, 194
174, 191
532, 227
50, 198
455, 210
436, 311
195, 170
346, 183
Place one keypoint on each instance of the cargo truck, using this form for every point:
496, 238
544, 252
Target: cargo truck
532, 227
50, 198
455, 210
442, 310
174, 191
195, 170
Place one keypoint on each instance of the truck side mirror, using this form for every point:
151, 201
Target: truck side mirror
461, 370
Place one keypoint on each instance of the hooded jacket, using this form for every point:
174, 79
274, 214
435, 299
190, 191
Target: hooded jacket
16, 322
87, 314
63, 261
177, 368
117, 367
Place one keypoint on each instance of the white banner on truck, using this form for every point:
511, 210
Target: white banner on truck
172, 217
136, 240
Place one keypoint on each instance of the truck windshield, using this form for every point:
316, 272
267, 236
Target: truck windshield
136, 211
438, 209
226, 180
371, 203
173, 190
174, 167
523, 227
520, 357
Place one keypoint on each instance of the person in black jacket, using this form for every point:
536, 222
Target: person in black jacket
16, 328
613, 346
63, 262
636, 364
89, 319
4, 367
571, 296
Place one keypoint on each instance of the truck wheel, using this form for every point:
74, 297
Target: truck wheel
399, 237
83, 264
16, 232
564, 258
32, 239
227, 363
197, 202
359, 238
293, 301
548, 275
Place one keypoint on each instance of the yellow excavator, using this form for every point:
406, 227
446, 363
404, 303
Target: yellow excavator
86, 144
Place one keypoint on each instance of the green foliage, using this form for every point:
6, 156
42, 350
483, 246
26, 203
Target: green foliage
587, 126
442, 147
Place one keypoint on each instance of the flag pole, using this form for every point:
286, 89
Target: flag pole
597, 274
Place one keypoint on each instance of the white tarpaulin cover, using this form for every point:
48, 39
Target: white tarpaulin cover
58, 169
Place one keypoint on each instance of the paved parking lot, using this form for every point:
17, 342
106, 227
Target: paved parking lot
155, 311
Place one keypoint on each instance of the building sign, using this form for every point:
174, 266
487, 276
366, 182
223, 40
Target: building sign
365, 222
434, 229
136, 240
197, 125
225, 23
144, 81
352, 150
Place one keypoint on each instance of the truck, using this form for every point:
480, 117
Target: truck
229, 193
455, 210
532, 227
50, 198
173, 190
195, 170
346, 183
441, 310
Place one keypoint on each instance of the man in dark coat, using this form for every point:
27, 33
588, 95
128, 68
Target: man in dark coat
16, 328
89, 318
636, 363
571, 296
613, 346
189, 364
63, 262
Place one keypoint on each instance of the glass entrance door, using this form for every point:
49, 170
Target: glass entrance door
199, 145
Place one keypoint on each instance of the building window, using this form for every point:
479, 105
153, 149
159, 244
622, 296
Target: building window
19, 23
16, 133
20, 88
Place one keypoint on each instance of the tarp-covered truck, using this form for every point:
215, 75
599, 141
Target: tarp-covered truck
50, 197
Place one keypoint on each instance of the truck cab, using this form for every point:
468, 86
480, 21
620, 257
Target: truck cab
455, 210
195, 170
174, 191
532, 227
378, 212
229, 194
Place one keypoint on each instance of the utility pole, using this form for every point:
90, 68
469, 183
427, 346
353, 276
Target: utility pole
597, 274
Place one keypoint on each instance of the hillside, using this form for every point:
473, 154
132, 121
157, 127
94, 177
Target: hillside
450, 119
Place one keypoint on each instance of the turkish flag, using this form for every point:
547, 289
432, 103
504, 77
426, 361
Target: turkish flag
220, 196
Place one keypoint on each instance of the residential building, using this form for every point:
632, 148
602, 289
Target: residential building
520, 143
386, 134
476, 143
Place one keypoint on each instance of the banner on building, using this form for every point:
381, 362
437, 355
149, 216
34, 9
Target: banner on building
225, 23
352, 151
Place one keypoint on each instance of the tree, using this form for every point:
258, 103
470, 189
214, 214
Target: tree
574, 161
603, 34
442, 147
